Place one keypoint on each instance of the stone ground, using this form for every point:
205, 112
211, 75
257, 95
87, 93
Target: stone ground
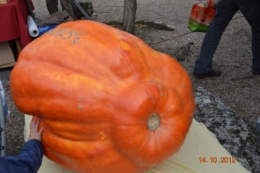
228, 105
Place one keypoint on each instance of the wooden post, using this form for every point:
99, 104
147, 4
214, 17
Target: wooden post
129, 16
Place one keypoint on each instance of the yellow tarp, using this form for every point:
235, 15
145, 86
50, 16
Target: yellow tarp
201, 153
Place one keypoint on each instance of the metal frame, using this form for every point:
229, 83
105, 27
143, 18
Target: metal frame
258, 125
80, 8
2, 129
30, 9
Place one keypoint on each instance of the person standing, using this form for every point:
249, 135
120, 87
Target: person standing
52, 6
226, 9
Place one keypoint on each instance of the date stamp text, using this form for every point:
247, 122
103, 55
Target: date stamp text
217, 160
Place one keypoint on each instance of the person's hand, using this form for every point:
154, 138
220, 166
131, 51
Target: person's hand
34, 133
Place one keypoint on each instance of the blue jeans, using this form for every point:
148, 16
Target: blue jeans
226, 9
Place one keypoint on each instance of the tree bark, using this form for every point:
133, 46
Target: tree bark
129, 16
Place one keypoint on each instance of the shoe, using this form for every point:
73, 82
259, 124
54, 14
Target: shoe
212, 73
255, 72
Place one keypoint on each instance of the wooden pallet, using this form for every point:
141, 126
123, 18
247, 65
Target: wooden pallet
7, 65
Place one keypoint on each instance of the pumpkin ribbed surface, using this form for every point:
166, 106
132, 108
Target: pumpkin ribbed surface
108, 102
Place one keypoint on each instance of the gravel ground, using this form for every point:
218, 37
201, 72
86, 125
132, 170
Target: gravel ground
236, 87
15, 121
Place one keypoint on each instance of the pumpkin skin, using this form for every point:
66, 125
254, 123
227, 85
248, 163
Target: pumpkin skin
108, 102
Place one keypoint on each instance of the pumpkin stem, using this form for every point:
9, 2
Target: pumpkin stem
153, 122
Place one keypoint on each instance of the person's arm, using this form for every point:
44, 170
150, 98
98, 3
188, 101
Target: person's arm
29, 158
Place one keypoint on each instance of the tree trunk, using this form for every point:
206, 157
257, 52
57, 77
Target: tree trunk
130, 7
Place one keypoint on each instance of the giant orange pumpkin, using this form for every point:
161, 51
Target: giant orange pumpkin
108, 102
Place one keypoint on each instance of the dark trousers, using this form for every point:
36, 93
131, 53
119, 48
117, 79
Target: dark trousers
226, 9
52, 6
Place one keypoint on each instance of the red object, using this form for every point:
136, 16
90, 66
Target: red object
13, 21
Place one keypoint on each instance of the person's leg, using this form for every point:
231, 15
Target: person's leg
251, 11
66, 5
52, 6
225, 11
256, 49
